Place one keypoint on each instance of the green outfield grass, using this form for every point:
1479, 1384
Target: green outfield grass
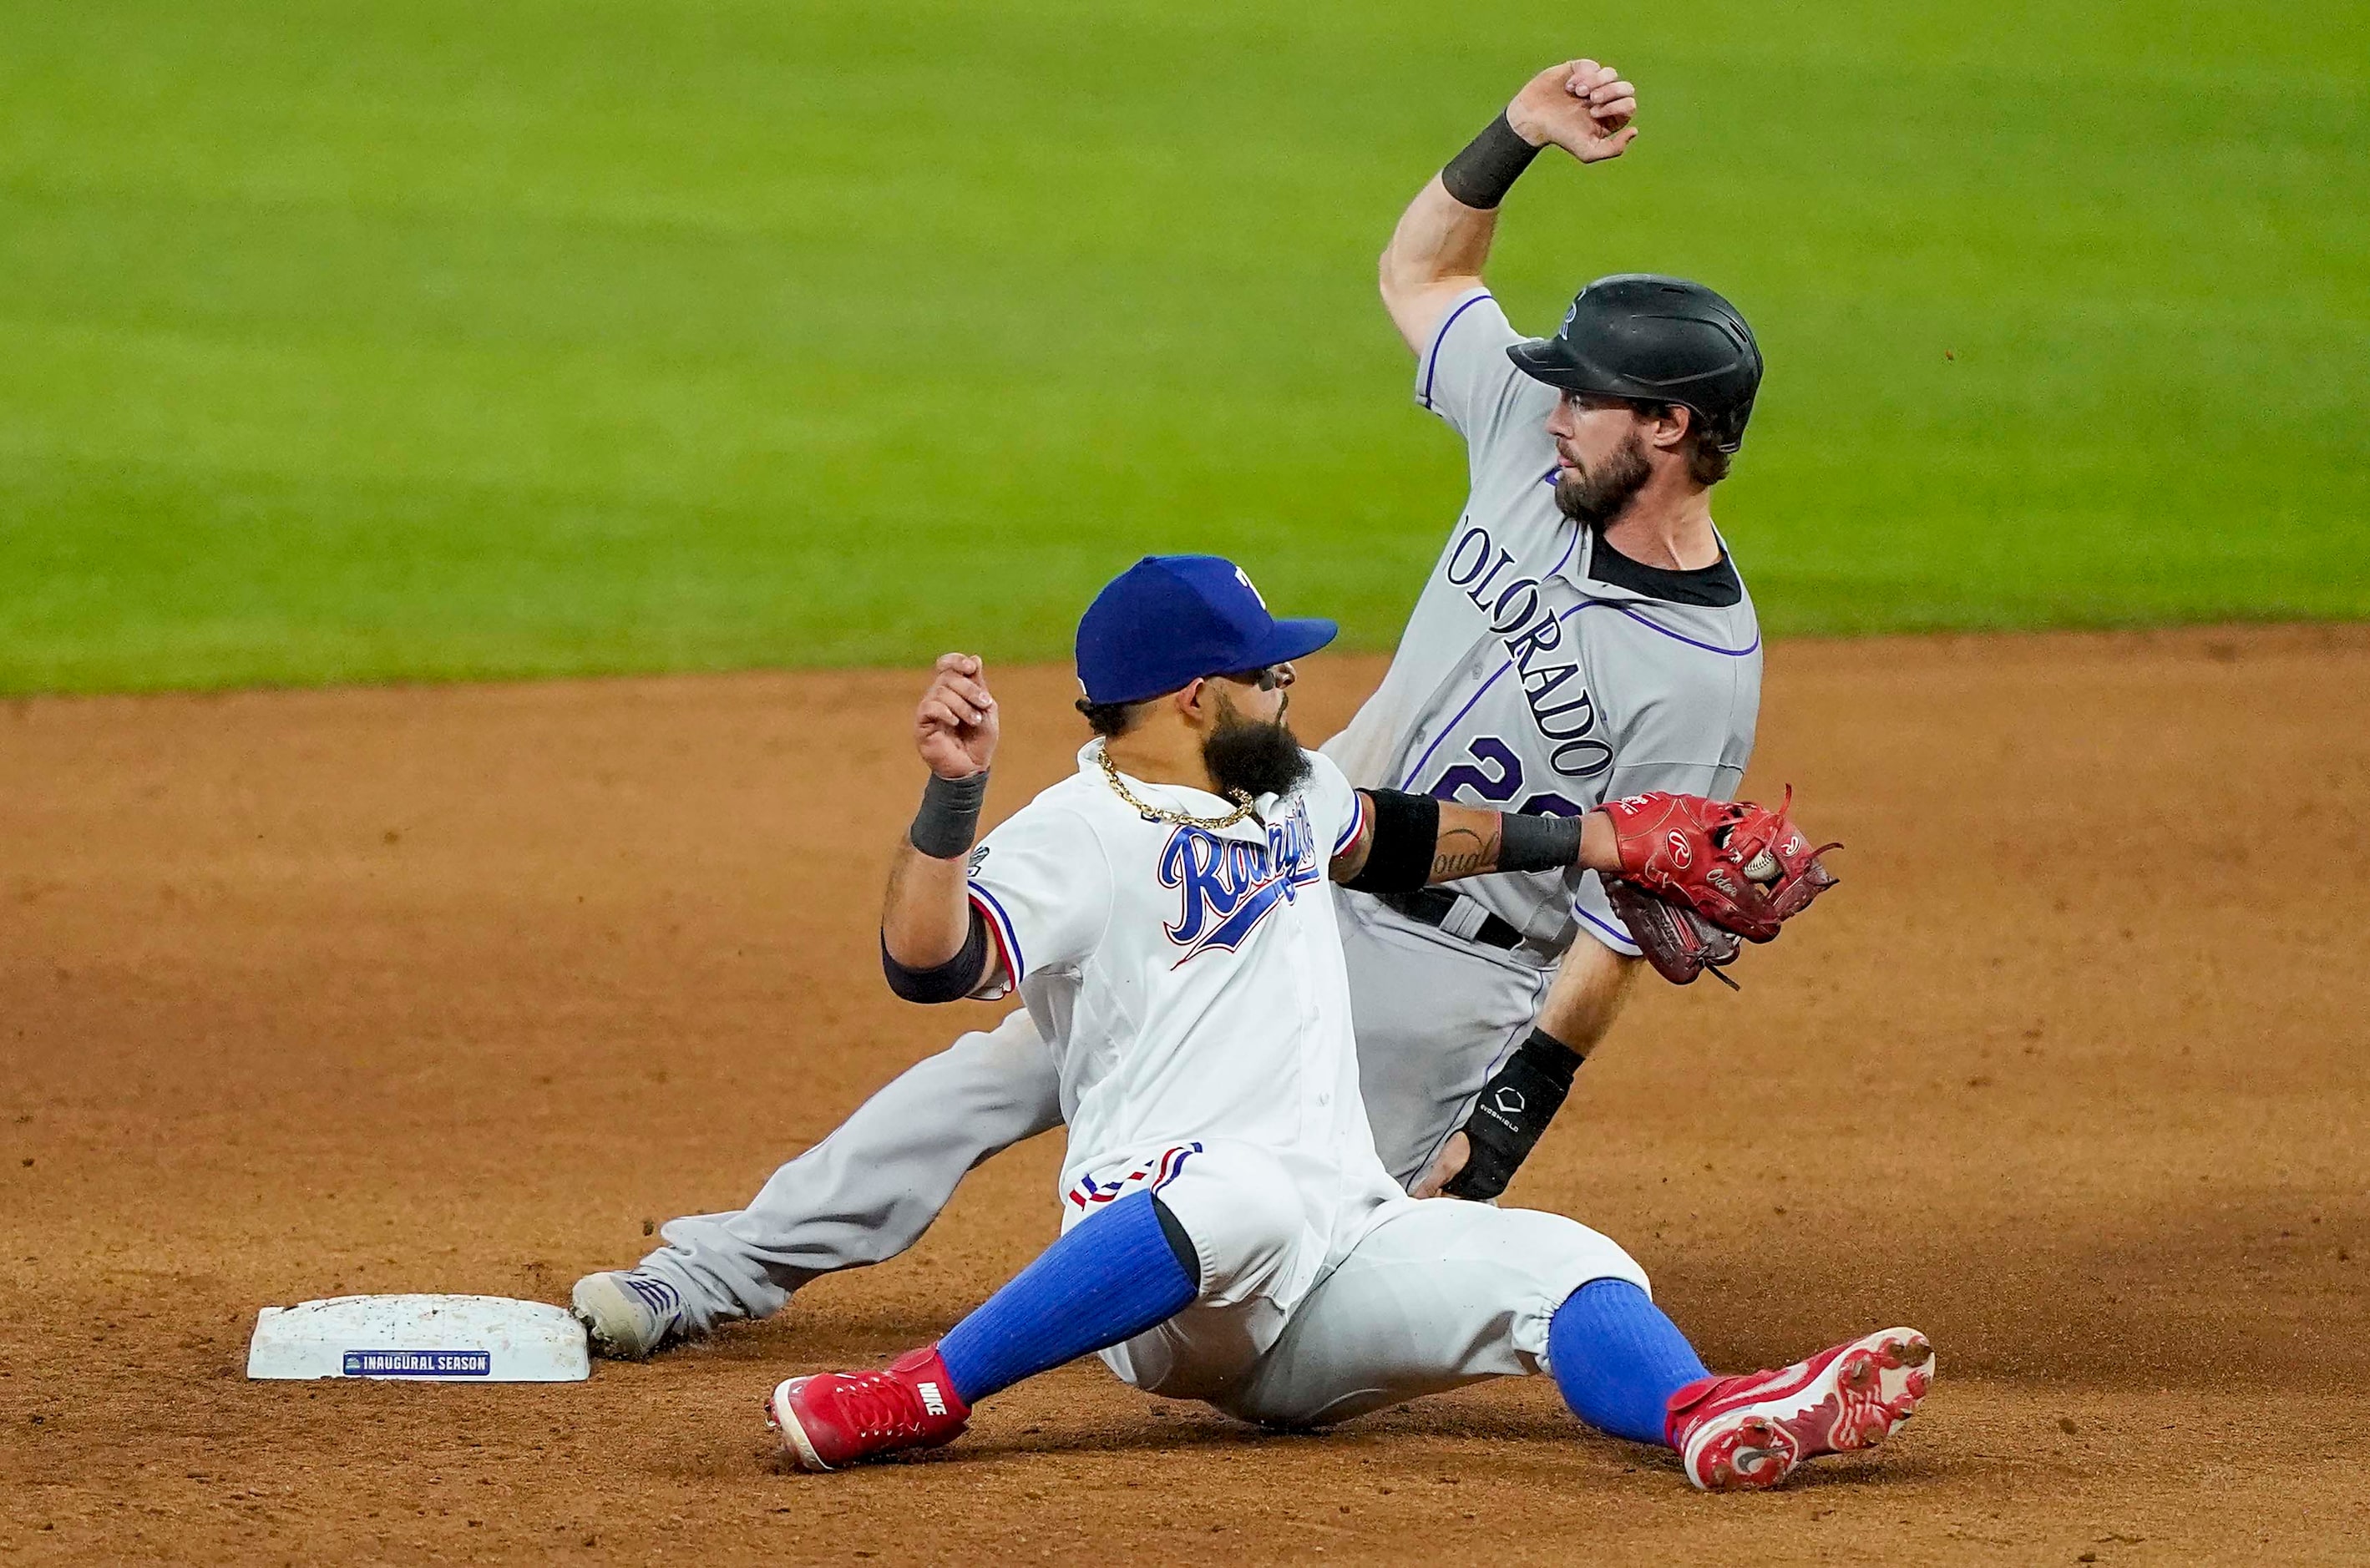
446, 339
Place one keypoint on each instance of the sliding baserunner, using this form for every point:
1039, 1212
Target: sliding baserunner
1168, 915
1583, 635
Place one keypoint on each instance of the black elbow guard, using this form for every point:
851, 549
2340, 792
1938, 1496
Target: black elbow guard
1513, 1109
951, 981
1406, 839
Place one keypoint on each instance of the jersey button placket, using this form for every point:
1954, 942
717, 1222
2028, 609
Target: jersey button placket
1304, 991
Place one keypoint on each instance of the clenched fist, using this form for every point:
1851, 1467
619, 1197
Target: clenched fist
1580, 106
955, 725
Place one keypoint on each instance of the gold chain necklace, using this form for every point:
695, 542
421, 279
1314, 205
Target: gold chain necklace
1162, 814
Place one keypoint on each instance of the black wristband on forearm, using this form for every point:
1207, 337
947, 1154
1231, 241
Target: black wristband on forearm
1405, 839
1528, 843
1513, 1109
948, 819
1480, 176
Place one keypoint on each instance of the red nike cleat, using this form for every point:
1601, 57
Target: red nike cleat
831, 1419
1747, 1433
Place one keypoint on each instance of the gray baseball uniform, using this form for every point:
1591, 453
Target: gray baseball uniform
1541, 671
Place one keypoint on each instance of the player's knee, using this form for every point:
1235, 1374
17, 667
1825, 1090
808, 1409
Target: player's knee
1562, 1253
1004, 1075
1243, 1214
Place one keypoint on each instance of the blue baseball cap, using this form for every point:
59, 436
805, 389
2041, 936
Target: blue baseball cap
1168, 621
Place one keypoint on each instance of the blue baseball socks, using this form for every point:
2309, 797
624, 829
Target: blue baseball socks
1109, 1279
1619, 1359
1615, 1356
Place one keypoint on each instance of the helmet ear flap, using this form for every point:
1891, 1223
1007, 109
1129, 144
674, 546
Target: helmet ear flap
1721, 433
1727, 432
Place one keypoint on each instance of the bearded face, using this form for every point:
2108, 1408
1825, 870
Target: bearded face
1599, 493
1255, 756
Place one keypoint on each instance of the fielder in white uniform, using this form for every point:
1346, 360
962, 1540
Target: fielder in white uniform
1582, 634
1168, 915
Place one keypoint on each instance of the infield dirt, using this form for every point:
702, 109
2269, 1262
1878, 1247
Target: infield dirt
459, 989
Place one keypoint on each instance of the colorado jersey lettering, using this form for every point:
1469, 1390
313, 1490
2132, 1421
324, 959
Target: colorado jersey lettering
1127, 939
1524, 682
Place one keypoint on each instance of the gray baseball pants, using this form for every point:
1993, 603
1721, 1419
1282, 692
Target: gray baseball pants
1434, 1016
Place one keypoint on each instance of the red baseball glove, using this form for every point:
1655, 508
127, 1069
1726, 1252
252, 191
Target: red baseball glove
1698, 873
1678, 942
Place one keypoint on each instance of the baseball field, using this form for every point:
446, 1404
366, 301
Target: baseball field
438, 339
478, 483
458, 989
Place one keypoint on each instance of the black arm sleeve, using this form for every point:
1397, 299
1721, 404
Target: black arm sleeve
1407, 838
951, 981
1537, 843
1513, 1109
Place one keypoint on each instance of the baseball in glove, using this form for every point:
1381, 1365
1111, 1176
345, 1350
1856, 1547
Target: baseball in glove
1698, 874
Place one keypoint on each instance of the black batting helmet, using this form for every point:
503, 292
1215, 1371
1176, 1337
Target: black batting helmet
1657, 339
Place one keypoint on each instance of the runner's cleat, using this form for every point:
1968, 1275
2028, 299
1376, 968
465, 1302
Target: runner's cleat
1747, 1433
832, 1419
628, 1314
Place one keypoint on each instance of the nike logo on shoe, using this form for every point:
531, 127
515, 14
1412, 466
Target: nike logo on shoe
830, 1419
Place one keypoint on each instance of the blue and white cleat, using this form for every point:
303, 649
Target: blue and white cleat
628, 1314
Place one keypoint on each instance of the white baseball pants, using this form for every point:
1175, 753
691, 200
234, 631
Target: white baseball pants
1411, 1297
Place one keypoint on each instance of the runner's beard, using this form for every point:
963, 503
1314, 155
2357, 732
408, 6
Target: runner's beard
1253, 756
1596, 496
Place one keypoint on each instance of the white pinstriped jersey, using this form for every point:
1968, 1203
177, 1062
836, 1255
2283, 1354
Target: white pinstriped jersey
1523, 683
1189, 980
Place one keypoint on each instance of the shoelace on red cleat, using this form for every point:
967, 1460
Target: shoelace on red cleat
883, 1406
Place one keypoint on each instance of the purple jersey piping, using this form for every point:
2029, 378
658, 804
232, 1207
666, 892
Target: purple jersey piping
1613, 933
1569, 546
1432, 357
1450, 727
1745, 651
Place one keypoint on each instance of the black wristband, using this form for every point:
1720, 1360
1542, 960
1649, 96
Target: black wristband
1512, 1111
1480, 176
1535, 842
948, 819
1406, 838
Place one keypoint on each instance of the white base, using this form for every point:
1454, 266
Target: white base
433, 1339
